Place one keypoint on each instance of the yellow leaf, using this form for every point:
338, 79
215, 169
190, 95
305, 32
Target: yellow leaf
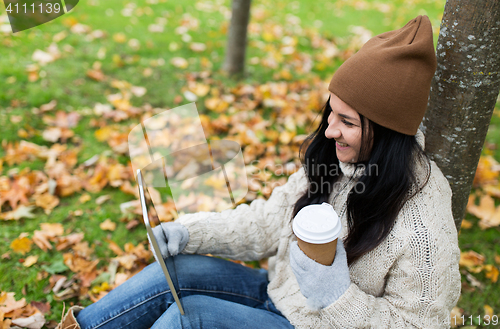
470, 259
216, 183
497, 259
30, 260
103, 287
117, 59
70, 21
455, 313
86, 197
267, 36
211, 103
216, 104
466, 224
199, 89
285, 74
486, 172
286, 137
21, 245
491, 272
120, 84
120, 37
488, 311
205, 63
108, 225
103, 134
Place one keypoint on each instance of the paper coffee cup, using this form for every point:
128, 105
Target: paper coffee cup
317, 228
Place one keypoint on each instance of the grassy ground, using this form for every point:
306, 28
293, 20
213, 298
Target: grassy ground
65, 81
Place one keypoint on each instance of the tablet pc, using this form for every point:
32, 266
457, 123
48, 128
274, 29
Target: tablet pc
149, 229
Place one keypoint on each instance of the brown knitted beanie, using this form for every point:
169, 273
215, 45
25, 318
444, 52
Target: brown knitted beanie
388, 80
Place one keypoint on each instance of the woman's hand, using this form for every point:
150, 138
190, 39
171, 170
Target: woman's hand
321, 285
172, 238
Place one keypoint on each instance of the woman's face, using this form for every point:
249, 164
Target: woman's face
344, 126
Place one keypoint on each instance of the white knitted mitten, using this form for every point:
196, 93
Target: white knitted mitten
321, 285
172, 238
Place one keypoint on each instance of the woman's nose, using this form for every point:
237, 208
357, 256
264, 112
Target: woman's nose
332, 131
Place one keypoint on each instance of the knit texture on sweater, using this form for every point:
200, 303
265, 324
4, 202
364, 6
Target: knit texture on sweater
411, 280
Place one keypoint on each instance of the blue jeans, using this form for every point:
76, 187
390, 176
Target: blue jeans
215, 293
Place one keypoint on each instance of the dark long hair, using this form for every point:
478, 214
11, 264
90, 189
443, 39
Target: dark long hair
371, 210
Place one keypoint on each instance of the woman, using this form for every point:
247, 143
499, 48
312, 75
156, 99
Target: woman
396, 264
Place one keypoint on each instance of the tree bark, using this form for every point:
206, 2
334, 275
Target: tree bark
463, 93
237, 37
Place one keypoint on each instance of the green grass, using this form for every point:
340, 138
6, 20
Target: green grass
487, 243
65, 80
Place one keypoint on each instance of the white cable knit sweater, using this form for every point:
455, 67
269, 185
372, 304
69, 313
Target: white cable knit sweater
411, 280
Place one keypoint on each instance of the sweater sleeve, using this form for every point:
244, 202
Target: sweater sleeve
247, 232
421, 289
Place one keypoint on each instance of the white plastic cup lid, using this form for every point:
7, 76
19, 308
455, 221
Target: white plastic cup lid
317, 224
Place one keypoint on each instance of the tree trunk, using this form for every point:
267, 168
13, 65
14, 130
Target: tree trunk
463, 93
237, 37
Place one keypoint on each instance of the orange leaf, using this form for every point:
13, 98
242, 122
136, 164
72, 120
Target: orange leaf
96, 75
53, 229
486, 172
127, 188
82, 249
69, 240
486, 207
487, 213
127, 260
470, 259
115, 248
48, 232
78, 264
17, 192
68, 184
47, 201
37, 320
491, 272
492, 221
8, 302
41, 240
84, 198
108, 225
466, 224
21, 245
